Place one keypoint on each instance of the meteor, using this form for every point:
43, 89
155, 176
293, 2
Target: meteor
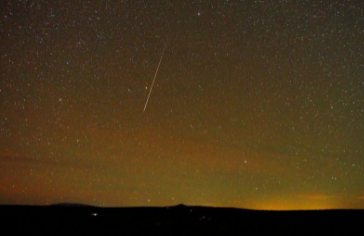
155, 76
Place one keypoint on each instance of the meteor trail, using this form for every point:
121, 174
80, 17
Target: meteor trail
155, 76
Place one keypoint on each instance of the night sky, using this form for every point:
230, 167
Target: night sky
256, 104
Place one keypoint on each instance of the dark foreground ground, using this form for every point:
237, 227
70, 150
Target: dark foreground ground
178, 220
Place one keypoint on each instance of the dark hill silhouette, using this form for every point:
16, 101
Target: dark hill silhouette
61, 219
70, 205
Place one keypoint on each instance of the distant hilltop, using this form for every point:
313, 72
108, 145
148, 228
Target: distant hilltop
179, 206
70, 205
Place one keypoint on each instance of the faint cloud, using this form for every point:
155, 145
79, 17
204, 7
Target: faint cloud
318, 196
8, 156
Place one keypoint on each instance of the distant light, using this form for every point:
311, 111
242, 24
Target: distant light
94, 214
